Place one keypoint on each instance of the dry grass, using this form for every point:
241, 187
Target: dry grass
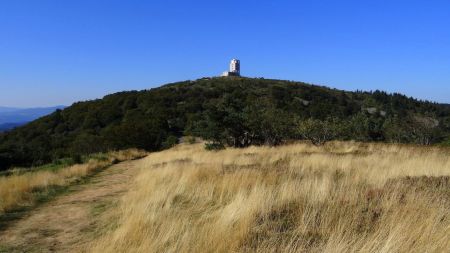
344, 197
20, 189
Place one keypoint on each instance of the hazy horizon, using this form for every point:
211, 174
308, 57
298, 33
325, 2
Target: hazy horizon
56, 53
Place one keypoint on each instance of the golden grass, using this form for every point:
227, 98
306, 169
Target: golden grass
343, 197
18, 189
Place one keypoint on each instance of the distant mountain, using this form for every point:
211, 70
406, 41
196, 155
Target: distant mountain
230, 111
9, 126
8, 109
12, 117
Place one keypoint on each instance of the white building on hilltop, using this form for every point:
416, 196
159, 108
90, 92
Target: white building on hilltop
235, 68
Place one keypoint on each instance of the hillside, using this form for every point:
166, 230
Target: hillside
57, 210
339, 197
232, 111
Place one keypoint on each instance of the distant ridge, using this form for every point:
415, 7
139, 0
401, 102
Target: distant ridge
11, 117
8, 109
9, 126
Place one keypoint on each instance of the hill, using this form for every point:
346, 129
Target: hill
233, 111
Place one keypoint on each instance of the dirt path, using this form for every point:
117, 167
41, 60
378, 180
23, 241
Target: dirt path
69, 222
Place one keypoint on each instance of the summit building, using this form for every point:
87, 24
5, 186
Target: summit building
235, 68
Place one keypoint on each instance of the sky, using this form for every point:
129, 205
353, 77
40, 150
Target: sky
58, 52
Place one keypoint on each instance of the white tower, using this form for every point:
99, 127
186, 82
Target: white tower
235, 67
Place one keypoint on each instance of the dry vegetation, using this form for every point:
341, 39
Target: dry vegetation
21, 189
343, 197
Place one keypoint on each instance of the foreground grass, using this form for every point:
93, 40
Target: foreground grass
343, 197
21, 189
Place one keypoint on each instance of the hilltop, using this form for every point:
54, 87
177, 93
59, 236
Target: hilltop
227, 111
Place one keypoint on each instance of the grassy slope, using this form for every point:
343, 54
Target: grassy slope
73, 219
22, 188
344, 197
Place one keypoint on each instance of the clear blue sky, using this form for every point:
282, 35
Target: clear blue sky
59, 52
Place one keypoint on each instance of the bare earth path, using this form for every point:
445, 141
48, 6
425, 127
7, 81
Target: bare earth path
69, 222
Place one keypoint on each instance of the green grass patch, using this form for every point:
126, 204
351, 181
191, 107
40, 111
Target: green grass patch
100, 208
9, 249
108, 222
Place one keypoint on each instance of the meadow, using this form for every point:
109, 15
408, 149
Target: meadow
340, 197
22, 188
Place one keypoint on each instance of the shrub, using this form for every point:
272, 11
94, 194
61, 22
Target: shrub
170, 142
214, 146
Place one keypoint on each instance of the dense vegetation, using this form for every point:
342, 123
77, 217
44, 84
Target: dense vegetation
227, 111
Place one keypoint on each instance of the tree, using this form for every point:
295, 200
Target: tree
425, 130
269, 125
318, 131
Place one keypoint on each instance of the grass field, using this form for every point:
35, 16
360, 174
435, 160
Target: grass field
342, 197
21, 188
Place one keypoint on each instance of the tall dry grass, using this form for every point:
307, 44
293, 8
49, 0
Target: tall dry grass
21, 189
343, 197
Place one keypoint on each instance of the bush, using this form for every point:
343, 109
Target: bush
211, 146
446, 143
318, 131
77, 159
170, 142
191, 139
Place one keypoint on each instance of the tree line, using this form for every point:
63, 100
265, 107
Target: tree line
225, 111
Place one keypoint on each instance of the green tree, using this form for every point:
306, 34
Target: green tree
319, 131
